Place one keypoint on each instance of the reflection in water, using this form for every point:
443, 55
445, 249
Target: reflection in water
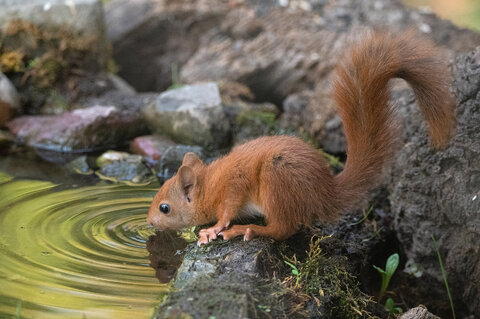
78, 253
166, 254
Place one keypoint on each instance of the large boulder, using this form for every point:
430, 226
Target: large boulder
88, 129
265, 47
436, 194
153, 38
192, 115
9, 103
226, 280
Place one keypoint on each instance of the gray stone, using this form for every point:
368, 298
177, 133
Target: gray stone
172, 159
192, 115
79, 166
88, 129
151, 147
437, 192
9, 101
419, 312
83, 17
226, 280
123, 167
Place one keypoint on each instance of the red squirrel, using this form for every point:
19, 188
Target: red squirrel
287, 181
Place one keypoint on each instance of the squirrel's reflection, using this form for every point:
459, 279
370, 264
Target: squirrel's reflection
166, 254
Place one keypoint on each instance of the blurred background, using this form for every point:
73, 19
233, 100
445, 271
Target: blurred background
464, 13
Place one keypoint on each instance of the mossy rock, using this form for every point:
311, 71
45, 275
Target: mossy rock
39, 59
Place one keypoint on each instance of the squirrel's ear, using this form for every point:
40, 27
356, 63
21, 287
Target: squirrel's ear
186, 178
191, 159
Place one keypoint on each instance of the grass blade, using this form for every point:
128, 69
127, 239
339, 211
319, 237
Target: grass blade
444, 275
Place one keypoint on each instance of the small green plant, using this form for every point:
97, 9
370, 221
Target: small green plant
390, 307
264, 308
444, 276
294, 272
365, 215
390, 267
175, 77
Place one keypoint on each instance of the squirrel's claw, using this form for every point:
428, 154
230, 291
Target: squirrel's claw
206, 236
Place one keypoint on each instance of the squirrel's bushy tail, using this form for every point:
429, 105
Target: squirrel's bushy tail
362, 93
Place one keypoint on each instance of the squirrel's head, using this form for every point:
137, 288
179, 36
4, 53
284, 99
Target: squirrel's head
173, 205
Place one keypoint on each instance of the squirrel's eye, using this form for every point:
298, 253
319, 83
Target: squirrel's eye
164, 208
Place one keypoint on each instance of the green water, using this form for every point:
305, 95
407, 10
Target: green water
75, 253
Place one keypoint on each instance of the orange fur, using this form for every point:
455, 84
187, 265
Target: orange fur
287, 180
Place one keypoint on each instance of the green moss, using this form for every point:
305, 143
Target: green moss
11, 61
38, 59
254, 123
329, 282
208, 296
250, 117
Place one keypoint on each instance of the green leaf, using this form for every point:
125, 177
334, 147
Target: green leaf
392, 264
389, 305
398, 310
380, 270
292, 266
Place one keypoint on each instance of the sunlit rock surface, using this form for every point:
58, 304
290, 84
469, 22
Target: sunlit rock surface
191, 114
87, 129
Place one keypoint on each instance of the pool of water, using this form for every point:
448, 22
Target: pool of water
80, 252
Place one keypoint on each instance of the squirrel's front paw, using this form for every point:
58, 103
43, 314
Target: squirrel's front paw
206, 236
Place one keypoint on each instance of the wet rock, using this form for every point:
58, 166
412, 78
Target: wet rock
191, 115
110, 157
85, 18
172, 159
152, 147
86, 129
418, 313
436, 193
79, 166
225, 280
123, 167
9, 101
244, 277
151, 38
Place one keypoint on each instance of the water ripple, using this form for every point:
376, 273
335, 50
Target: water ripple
76, 253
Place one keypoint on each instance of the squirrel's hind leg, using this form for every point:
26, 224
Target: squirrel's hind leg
251, 231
